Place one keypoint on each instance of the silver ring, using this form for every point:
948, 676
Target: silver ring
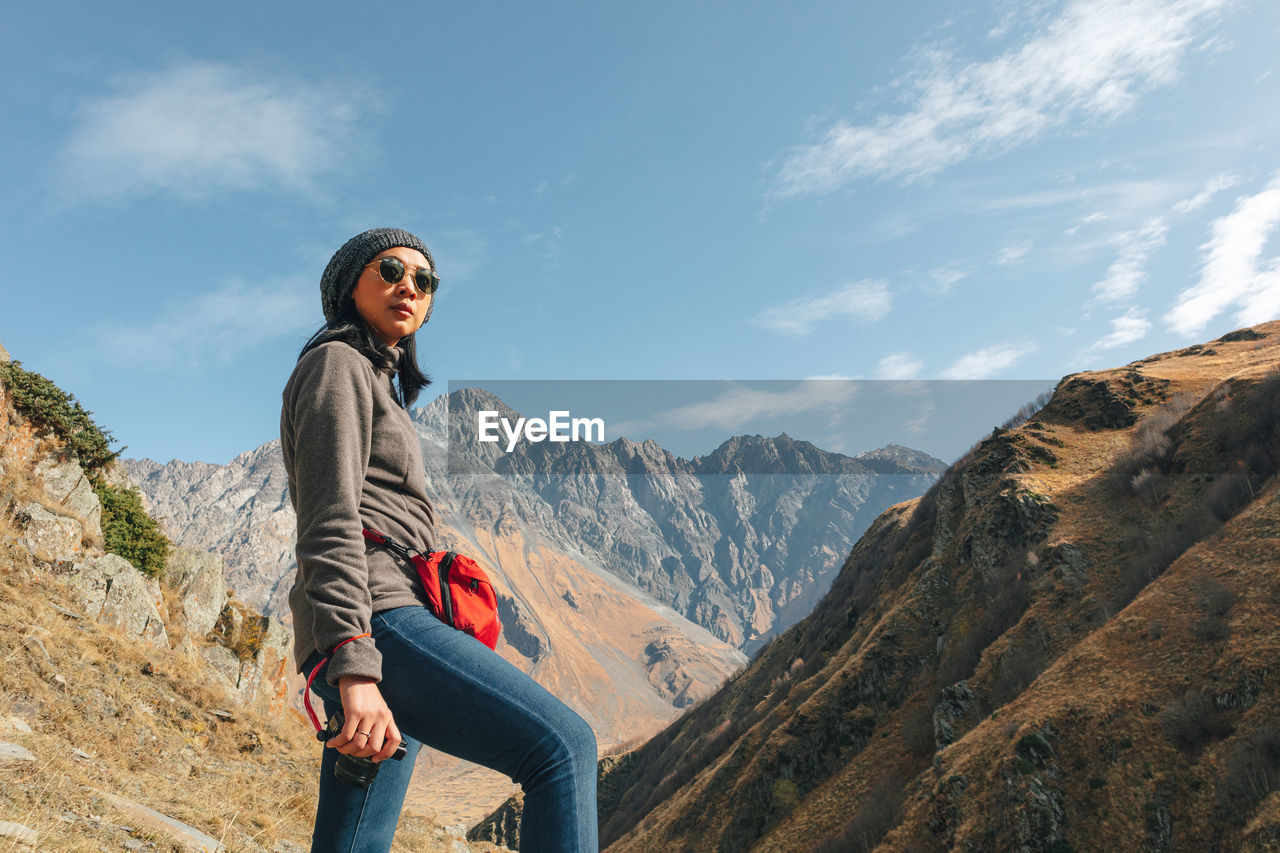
366, 734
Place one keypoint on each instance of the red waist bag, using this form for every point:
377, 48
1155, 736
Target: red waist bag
458, 591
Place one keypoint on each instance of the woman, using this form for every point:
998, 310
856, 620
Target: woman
396, 672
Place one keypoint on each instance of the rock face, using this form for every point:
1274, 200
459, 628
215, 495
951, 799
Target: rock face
12, 754
109, 589
48, 536
262, 650
65, 483
183, 837
503, 826
59, 523
239, 511
197, 577
58, 510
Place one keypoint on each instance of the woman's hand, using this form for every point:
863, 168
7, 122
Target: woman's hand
369, 731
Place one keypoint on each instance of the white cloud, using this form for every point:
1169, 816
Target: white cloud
1016, 14
946, 277
1136, 246
738, 406
920, 423
1116, 195
1013, 253
1132, 326
200, 128
1093, 61
1129, 269
900, 365
215, 327
1232, 271
867, 301
988, 361
1096, 216
1200, 199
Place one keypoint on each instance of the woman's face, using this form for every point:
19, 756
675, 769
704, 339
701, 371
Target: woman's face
392, 311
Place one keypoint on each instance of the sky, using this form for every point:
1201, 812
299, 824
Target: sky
662, 191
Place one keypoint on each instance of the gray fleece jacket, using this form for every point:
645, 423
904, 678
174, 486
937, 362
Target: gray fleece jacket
353, 460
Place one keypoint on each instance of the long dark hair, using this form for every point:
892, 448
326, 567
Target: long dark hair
352, 330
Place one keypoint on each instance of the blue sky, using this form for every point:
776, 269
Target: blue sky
1000, 190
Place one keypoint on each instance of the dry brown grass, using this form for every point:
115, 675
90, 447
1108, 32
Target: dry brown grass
149, 737
248, 781
1109, 665
19, 486
110, 713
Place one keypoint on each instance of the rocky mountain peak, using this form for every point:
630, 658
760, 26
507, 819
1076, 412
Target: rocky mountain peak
902, 458
756, 454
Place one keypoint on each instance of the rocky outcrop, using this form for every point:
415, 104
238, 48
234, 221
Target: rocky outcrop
196, 577
239, 511
503, 826
183, 837
956, 702
68, 515
58, 520
109, 589
677, 668
66, 485
265, 669
252, 657
52, 500
46, 535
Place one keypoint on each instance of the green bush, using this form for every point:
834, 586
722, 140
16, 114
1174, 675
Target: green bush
129, 531
1034, 745
126, 527
59, 412
786, 796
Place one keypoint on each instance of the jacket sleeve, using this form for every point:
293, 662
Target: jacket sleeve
332, 422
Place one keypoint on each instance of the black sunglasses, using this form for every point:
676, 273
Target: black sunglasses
392, 270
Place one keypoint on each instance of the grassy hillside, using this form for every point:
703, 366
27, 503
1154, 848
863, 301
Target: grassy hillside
1068, 644
95, 722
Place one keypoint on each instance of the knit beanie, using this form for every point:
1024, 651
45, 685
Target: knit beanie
343, 270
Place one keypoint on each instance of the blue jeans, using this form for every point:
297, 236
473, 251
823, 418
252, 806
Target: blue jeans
448, 691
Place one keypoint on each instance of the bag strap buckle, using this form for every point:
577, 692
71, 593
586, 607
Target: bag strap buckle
390, 544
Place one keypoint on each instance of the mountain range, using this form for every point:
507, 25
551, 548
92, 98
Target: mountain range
631, 581
1068, 642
